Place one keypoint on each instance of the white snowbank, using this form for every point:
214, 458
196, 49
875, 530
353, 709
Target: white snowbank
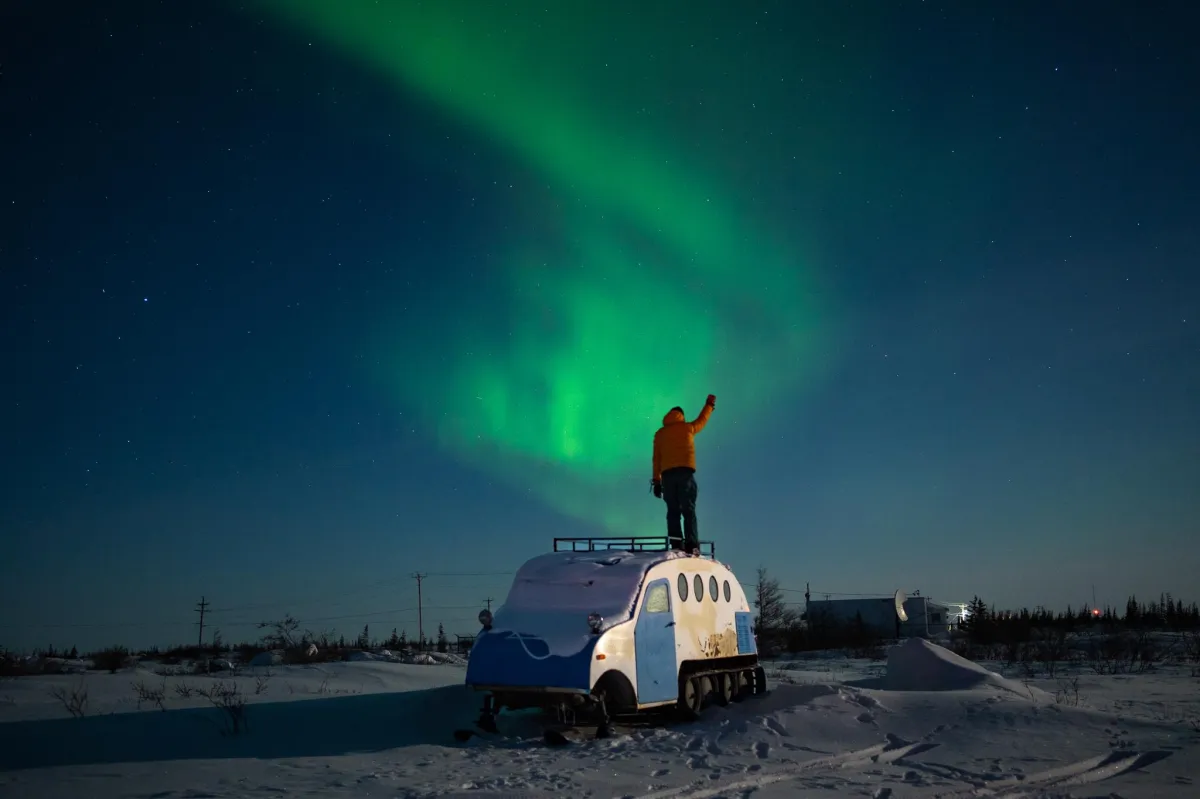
553, 595
412, 658
266, 659
918, 665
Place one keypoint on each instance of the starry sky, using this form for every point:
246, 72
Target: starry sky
302, 298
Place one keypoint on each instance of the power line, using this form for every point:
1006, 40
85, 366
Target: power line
420, 619
311, 600
471, 574
327, 599
208, 611
233, 623
201, 606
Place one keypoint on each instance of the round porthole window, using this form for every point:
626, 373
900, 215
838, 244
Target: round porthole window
712, 588
683, 587
728, 593
698, 587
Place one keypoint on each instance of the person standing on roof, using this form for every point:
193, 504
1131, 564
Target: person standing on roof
674, 476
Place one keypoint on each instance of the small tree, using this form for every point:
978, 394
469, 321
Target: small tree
979, 624
282, 634
774, 618
442, 644
364, 638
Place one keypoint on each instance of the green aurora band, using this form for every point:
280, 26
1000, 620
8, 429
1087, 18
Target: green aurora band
639, 290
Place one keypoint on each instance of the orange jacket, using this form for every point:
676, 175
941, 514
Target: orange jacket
673, 444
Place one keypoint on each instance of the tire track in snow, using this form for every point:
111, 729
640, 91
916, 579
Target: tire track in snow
1082, 772
889, 752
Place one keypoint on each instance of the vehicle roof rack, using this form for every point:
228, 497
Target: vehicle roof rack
627, 543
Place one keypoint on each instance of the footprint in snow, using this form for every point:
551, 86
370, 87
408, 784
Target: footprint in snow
762, 750
865, 717
694, 744
660, 772
774, 726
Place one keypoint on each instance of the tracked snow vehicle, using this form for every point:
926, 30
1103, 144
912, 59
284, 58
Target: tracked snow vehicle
603, 628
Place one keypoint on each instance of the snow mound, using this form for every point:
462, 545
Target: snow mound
266, 659
409, 657
918, 665
436, 659
371, 657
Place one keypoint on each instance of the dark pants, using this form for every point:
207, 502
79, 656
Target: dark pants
679, 490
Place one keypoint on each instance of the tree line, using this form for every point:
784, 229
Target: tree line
782, 627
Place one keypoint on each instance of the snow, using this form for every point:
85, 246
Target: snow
831, 726
552, 595
918, 665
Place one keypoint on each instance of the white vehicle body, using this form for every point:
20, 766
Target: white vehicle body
628, 624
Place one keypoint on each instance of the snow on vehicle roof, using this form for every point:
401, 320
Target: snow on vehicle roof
590, 582
553, 594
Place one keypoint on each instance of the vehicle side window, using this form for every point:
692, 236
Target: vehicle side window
712, 587
698, 587
659, 599
683, 587
728, 593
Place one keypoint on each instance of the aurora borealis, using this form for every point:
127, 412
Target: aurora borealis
646, 287
303, 297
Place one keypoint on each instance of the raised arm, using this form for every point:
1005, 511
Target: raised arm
702, 419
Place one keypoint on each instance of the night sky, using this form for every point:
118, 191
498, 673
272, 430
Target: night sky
299, 298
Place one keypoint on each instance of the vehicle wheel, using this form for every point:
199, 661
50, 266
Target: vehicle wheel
760, 680
706, 690
725, 688
741, 685
690, 700
697, 695
744, 685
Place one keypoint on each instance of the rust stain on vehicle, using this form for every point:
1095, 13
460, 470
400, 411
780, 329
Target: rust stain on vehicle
720, 645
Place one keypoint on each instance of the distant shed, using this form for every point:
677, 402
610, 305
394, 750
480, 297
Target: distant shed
926, 617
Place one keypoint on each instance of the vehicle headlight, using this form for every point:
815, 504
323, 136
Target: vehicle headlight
485, 618
595, 621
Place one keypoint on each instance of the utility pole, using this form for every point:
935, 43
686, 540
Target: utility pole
420, 613
489, 604
201, 606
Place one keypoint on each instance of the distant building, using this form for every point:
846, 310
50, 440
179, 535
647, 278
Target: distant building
926, 617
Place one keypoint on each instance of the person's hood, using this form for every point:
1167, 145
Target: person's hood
674, 416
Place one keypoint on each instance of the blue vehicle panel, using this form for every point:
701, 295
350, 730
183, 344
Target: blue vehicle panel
654, 643
524, 661
744, 625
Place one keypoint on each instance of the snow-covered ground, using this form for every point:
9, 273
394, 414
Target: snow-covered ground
925, 724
